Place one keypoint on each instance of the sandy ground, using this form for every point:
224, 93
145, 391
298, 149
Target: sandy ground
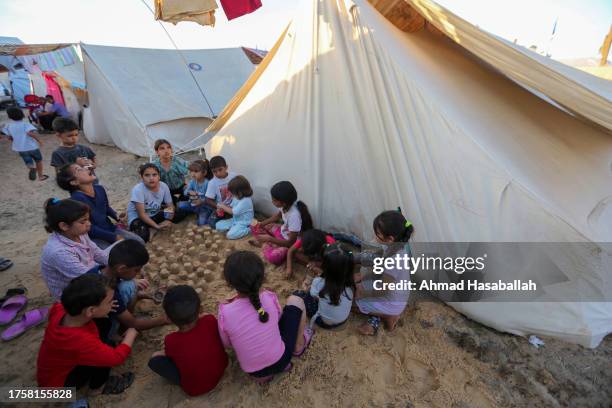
435, 358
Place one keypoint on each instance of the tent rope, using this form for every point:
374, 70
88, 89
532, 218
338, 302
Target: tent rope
213, 116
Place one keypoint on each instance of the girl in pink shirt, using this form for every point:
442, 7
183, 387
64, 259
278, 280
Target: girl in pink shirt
252, 323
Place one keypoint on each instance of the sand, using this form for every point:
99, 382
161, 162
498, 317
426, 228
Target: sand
435, 357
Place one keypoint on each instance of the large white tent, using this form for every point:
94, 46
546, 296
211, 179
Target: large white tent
363, 117
139, 95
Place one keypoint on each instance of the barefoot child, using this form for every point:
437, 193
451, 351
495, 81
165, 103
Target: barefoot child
217, 191
25, 142
69, 252
71, 353
277, 239
199, 171
193, 357
69, 151
241, 209
252, 323
393, 231
151, 204
172, 169
308, 250
79, 181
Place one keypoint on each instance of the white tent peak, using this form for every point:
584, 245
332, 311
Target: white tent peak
147, 88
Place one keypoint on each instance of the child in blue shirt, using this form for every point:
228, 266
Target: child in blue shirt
241, 209
200, 174
80, 182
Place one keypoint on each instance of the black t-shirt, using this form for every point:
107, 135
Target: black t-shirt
68, 155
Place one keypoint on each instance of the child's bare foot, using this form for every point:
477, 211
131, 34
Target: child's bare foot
255, 243
390, 322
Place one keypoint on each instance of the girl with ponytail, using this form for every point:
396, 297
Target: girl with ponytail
263, 336
277, 239
393, 231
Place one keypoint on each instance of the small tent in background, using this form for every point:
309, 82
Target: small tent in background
139, 95
362, 117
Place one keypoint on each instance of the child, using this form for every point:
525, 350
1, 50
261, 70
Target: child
79, 181
71, 353
69, 151
199, 171
173, 169
151, 204
263, 337
393, 231
308, 250
331, 295
69, 252
125, 261
217, 191
277, 239
25, 142
193, 356
241, 209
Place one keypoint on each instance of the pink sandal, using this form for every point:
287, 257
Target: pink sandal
308, 333
11, 307
30, 319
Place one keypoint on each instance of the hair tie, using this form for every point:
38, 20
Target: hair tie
261, 311
55, 201
408, 224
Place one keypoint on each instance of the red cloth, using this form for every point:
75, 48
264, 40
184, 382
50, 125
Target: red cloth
236, 8
199, 355
64, 348
328, 238
53, 88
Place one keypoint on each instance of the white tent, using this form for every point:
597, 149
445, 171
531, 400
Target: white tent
363, 117
139, 95
71, 80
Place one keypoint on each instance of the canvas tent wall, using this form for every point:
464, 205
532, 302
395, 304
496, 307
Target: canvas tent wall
71, 79
139, 95
363, 117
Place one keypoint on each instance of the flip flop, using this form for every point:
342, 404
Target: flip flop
44, 177
32, 174
5, 264
11, 307
30, 319
12, 292
308, 333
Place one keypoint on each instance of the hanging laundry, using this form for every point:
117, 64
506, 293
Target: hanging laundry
237, 8
174, 11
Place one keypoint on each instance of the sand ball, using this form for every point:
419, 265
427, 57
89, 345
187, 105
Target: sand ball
192, 276
164, 274
209, 275
200, 271
164, 266
196, 264
213, 256
174, 267
189, 283
188, 267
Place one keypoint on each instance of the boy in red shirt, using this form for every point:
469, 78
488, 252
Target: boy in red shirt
194, 357
71, 353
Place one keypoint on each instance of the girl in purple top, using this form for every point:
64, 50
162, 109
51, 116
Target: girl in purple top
393, 231
252, 323
69, 252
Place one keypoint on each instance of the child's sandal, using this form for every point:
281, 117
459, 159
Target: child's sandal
118, 384
374, 322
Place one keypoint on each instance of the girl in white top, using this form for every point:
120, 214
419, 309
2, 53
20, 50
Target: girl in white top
277, 239
329, 302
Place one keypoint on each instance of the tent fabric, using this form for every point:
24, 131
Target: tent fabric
175, 11
132, 92
363, 117
577, 91
28, 49
53, 88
